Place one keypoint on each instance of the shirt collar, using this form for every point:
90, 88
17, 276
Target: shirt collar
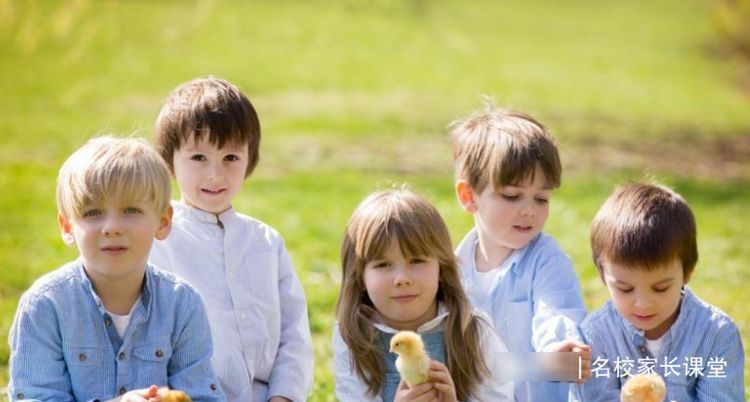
511, 261
430, 326
203, 216
146, 290
638, 335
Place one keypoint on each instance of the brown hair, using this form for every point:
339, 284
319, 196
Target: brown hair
420, 231
111, 167
644, 226
207, 106
502, 147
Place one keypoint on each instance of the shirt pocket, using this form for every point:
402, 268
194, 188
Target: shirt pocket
86, 367
150, 362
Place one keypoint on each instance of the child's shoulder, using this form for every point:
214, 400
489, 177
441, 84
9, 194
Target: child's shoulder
703, 314
56, 280
167, 281
604, 320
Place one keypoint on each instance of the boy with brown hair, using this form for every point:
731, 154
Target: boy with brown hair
209, 134
643, 241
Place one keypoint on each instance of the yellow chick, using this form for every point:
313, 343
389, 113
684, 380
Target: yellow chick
644, 388
412, 363
169, 395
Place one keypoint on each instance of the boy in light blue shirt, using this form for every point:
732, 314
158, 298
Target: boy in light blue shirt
108, 326
507, 167
643, 242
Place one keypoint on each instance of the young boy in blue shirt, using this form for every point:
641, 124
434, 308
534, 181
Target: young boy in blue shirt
643, 241
507, 167
109, 326
209, 134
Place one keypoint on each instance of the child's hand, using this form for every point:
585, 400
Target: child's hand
149, 394
576, 347
277, 398
441, 378
424, 392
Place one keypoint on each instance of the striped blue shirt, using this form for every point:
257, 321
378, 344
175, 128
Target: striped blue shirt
534, 301
701, 358
64, 347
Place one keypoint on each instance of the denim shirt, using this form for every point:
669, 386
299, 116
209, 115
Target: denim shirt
433, 344
534, 301
64, 346
703, 337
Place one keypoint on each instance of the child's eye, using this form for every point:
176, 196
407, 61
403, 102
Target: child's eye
661, 290
542, 200
198, 157
231, 158
418, 260
91, 213
509, 197
381, 264
133, 210
625, 290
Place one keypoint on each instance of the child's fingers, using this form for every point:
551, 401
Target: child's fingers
441, 377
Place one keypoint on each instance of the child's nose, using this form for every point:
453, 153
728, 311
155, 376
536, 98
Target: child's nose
214, 171
642, 301
402, 278
112, 227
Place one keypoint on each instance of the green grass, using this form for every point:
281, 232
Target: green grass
354, 95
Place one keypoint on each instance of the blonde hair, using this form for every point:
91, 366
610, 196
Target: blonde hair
644, 226
502, 147
419, 230
212, 107
110, 167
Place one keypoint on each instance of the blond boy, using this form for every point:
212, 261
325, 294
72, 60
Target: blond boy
108, 325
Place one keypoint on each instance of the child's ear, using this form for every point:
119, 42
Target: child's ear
66, 229
465, 196
165, 224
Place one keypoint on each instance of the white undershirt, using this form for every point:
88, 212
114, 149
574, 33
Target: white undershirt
121, 321
654, 346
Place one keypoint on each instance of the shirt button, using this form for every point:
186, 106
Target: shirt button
20, 396
121, 356
107, 322
213, 387
159, 353
642, 349
123, 390
82, 357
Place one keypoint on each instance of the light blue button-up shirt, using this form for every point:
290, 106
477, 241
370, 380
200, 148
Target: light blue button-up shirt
64, 346
702, 339
534, 301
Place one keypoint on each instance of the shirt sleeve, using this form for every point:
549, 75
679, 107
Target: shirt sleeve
604, 385
558, 302
494, 387
727, 354
292, 372
348, 386
189, 367
38, 371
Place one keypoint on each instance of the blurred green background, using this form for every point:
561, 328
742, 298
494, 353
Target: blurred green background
355, 95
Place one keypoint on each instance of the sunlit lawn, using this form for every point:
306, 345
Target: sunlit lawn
356, 95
